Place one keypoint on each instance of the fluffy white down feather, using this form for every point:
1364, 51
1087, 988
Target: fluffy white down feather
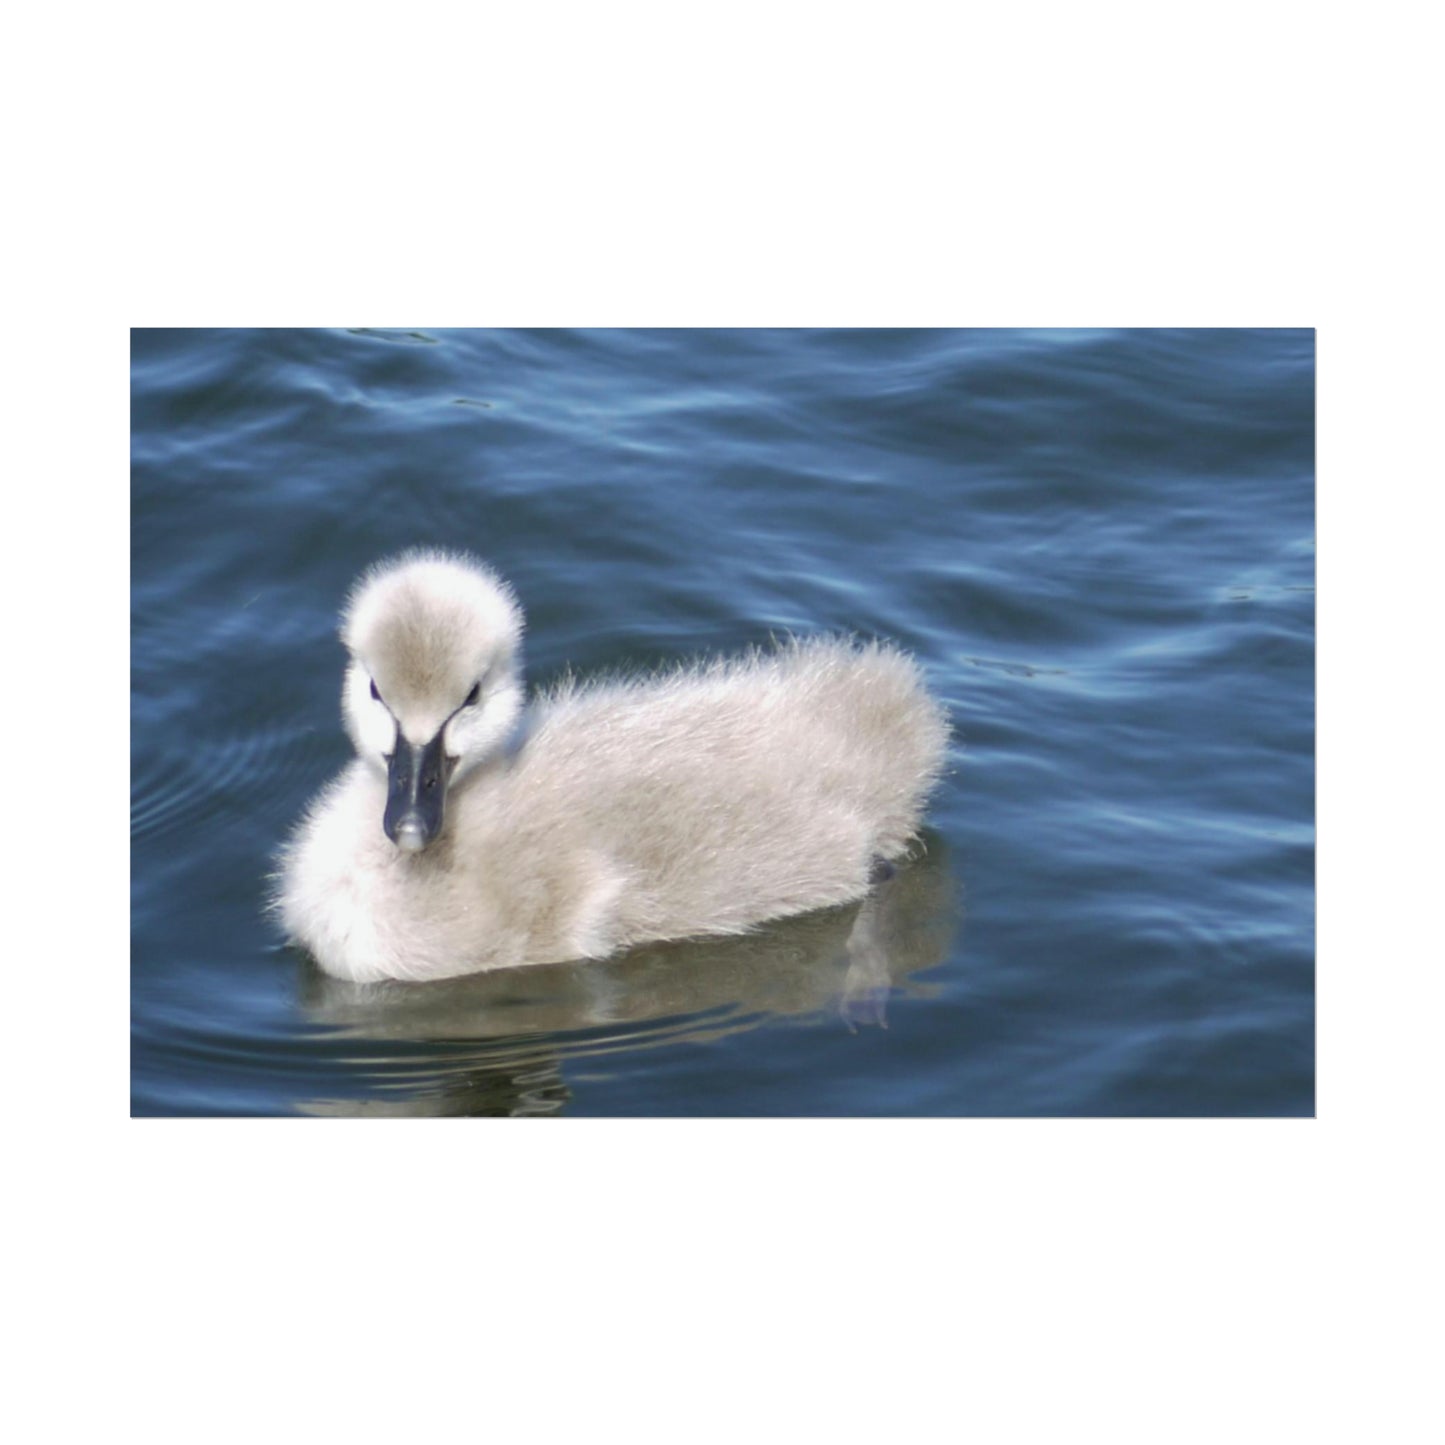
704, 800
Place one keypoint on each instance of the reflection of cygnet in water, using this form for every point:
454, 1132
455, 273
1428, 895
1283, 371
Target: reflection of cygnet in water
522, 1024
866, 984
528, 1087
700, 801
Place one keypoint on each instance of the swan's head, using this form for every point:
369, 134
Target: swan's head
433, 685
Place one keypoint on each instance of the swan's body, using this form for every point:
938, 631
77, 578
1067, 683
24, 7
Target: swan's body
701, 801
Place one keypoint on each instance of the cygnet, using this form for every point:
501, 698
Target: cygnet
474, 831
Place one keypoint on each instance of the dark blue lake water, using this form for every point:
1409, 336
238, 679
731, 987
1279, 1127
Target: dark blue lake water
1100, 544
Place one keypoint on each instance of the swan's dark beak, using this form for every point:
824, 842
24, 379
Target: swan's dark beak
416, 792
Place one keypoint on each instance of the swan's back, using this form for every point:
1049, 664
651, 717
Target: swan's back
709, 799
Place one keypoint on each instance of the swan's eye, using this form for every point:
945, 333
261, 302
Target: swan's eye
473, 695
374, 692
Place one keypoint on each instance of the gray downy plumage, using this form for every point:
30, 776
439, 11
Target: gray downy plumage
473, 832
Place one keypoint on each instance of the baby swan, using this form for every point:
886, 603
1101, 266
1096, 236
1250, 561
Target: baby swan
703, 800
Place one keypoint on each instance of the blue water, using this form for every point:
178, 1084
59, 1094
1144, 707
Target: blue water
1100, 544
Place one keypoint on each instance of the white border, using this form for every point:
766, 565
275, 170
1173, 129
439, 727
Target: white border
1264, 164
